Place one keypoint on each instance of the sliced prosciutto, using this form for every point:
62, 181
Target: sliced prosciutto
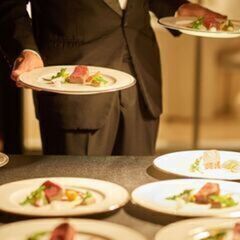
52, 191
209, 189
63, 232
80, 75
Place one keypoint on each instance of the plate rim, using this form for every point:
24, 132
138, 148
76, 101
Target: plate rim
192, 176
186, 221
76, 221
232, 34
141, 203
109, 209
6, 159
77, 92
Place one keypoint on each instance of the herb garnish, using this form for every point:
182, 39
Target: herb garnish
85, 197
224, 200
198, 23
186, 195
195, 167
61, 74
35, 196
37, 236
218, 236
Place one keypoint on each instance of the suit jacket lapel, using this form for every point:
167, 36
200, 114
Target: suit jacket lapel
114, 4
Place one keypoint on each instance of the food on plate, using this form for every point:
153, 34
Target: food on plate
80, 75
218, 235
212, 24
97, 80
63, 232
236, 231
209, 194
232, 165
37, 236
212, 160
50, 192
208, 190
223, 234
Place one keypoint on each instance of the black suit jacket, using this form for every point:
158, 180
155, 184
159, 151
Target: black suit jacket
91, 32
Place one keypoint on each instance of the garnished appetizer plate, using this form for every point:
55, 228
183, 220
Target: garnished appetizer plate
190, 197
77, 80
201, 164
72, 229
202, 229
203, 27
4, 159
61, 197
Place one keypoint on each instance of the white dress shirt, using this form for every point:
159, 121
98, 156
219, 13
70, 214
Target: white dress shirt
123, 3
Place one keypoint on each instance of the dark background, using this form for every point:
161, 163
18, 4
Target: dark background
10, 111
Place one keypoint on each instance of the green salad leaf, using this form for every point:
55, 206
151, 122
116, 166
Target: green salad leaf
186, 195
224, 200
37, 236
62, 73
99, 78
218, 236
86, 196
35, 196
198, 23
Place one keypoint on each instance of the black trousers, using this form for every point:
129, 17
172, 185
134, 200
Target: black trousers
129, 130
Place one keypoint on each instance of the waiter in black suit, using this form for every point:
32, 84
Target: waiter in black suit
108, 33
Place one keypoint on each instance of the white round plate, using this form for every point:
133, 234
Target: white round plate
86, 230
4, 159
179, 163
181, 24
153, 196
195, 229
35, 80
108, 196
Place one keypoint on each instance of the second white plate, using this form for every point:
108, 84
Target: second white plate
196, 229
109, 196
179, 163
86, 230
154, 197
181, 24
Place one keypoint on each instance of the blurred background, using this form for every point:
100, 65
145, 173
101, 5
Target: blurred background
201, 91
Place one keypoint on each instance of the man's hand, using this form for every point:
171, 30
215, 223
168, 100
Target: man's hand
27, 61
195, 10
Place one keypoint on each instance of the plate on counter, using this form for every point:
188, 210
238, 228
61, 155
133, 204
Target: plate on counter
196, 27
190, 197
4, 159
61, 197
80, 229
94, 80
212, 164
201, 229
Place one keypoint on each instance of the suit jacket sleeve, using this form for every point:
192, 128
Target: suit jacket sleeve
164, 8
16, 27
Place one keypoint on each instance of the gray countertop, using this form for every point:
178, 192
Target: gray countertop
130, 172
